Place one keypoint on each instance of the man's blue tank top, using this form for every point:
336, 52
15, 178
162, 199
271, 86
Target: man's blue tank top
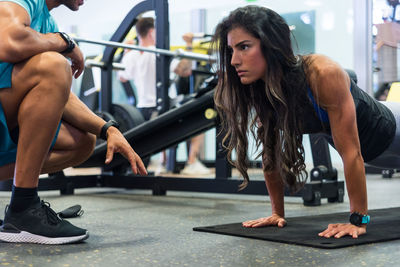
41, 21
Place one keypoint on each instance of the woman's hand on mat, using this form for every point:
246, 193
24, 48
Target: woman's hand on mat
338, 230
116, 143
274, 219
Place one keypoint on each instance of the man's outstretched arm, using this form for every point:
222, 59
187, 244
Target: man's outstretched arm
80, 116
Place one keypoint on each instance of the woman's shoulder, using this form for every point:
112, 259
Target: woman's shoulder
327, 79
321, 67
321, 64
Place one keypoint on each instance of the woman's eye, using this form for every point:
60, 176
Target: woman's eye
244, 47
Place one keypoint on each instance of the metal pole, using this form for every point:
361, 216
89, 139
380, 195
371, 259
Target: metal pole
362, 46
177, 53
90, 63
162, 60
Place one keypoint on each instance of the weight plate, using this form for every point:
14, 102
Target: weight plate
127, 116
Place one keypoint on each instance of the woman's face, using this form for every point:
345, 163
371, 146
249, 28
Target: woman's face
247, 57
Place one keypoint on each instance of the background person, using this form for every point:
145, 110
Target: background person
141, 68
193, 165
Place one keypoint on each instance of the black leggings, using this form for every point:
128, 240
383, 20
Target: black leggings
147, 112
390, 158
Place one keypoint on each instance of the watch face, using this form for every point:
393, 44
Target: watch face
355, 219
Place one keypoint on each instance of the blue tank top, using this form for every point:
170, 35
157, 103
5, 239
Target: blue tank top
321, 113
375, 122
41, 21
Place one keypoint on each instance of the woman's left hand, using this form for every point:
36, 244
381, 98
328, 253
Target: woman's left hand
338, 230
116, 143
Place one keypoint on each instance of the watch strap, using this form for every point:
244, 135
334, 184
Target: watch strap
103, 132
68, 40
365, 219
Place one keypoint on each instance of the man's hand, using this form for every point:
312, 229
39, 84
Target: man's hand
77, 61
122, 79
272, 220
116, 143
338, 230
188, 38
184, 68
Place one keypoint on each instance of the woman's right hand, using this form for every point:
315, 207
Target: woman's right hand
272, 220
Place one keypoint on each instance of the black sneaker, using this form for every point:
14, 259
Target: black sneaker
39, 224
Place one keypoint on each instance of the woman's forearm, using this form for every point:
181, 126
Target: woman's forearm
356, 185
275, 189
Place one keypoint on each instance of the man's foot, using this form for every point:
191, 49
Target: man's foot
39, 224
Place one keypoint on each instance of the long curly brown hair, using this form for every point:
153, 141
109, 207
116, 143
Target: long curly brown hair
269, 110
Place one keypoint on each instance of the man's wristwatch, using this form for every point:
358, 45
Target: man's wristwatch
357, 219
68, 40
103, 132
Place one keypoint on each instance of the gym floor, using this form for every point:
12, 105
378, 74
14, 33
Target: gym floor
134, 228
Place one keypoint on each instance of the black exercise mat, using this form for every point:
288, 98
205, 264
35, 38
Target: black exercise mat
384, 226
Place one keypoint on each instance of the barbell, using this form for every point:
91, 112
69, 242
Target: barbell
177, 53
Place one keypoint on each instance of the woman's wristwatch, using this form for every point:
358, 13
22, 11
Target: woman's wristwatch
357, 219
103, 132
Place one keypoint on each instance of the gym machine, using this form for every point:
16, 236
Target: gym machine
172, 127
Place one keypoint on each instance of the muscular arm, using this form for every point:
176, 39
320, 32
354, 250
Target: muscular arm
18, 41
78, 114
184, 68
333, 86
276, 192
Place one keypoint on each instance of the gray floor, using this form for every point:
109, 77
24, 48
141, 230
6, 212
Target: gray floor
133, 228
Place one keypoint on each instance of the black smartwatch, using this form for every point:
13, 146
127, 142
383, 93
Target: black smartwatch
103, 132
357, 219
68, 40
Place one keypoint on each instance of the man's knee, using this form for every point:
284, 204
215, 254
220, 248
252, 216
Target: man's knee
52, 62
49, 73
56, 68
